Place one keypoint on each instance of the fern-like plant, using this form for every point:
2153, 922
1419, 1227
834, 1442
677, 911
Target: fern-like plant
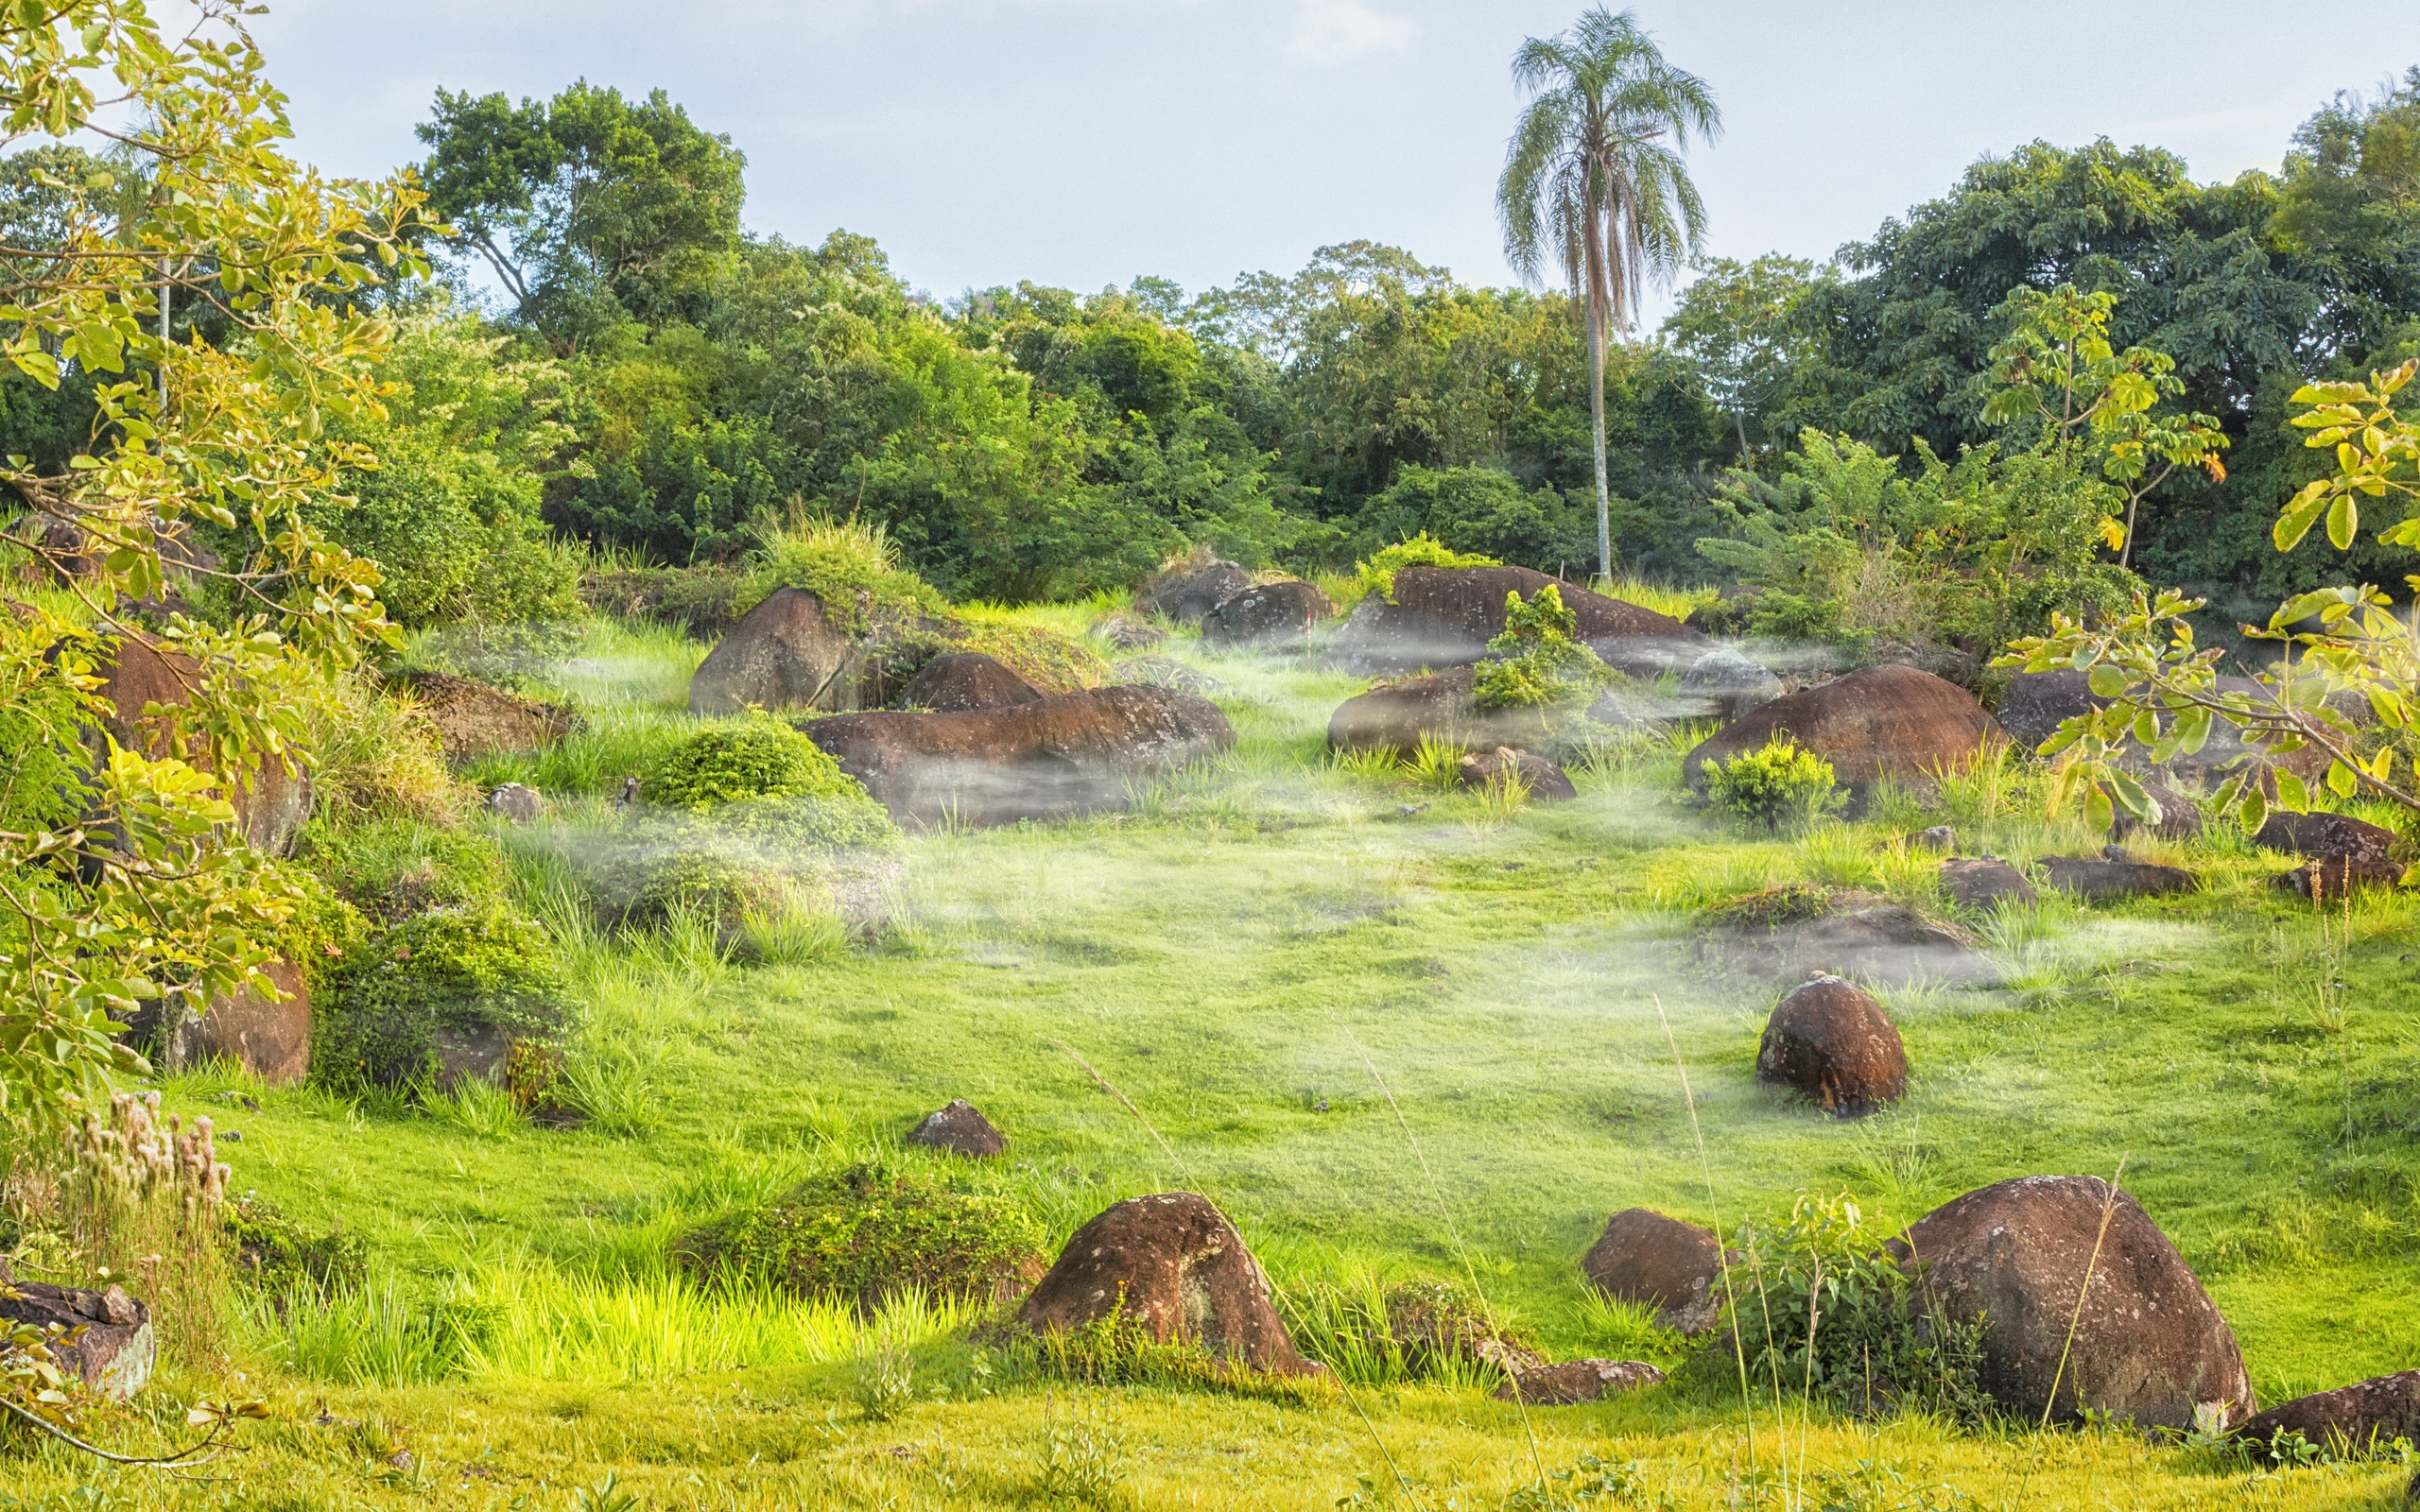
1773, 786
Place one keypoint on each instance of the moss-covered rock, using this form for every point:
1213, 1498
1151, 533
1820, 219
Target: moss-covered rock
869, 1231
451, 974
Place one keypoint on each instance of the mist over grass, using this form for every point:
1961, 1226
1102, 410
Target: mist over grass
1256, 951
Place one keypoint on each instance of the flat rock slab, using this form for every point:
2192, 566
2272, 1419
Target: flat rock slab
1794, 932
2102, 878
1577, 1381
1984, 882
1061, 756
1444, 616
114, 1354
1398, 716
2361, 1418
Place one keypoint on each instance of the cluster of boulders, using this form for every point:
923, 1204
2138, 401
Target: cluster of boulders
2082, 1302
2078, 1302
1235, 612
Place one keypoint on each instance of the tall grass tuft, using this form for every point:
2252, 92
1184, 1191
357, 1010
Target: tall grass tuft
525, 1321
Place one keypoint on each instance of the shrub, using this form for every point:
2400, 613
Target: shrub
1773, 786
281, 1256
1536, 660
1377, 574
756, 758
853, 566
452, 968
1834, 1315
868, 1231
652, 890
846, 821
393, 868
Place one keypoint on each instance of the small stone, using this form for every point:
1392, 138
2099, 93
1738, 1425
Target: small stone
1940, 838
233, 1135
960, 1130
119, 1309
515, 802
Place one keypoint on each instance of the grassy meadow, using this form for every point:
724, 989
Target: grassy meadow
1395, 1031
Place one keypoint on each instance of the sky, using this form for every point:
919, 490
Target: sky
1080, 143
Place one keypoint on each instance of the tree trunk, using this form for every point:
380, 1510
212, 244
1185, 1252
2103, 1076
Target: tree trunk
1739, 417
1596, 433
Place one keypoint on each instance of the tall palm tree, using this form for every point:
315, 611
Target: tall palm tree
1593, 178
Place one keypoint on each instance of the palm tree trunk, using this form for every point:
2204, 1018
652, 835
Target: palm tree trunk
1596, 439
1739, 417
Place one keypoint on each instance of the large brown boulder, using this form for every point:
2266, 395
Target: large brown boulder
271, 1039
1173, 1266
1274, 616
1397, 716
2148, 1344
1189, 590
271, 802
2324, 835
1883, 722
1444, 616
1648, 1259
791, 651
2035, 703
1072, 753
2363, 1419
472, 719
113, 1356
1831, 1041
959, 680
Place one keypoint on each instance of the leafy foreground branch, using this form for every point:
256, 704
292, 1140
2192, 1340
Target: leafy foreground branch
2347, 674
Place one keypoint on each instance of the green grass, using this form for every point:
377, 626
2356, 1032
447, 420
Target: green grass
1237, 955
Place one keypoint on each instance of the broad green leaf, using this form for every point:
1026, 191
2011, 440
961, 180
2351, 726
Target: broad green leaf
2340, 780
2291, 794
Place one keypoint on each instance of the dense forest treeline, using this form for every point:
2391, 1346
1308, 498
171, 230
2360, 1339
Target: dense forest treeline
654, 376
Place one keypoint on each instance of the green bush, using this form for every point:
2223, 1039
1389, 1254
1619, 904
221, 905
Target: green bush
867, 1231
451, 968
756, 759
393, 868
281, 1256
1773, 786
1868, 1347
1536, 660
845, 821
853, 567
652, 890
1377, 574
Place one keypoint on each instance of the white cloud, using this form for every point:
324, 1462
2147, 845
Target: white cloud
1338, 31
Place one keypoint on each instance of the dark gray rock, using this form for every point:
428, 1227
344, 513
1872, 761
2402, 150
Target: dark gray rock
2324, 835
1272, 617
960, 1130
1577, 1381
114, 1354
2103, 879
513, 801
1545, 781
1648, 1259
